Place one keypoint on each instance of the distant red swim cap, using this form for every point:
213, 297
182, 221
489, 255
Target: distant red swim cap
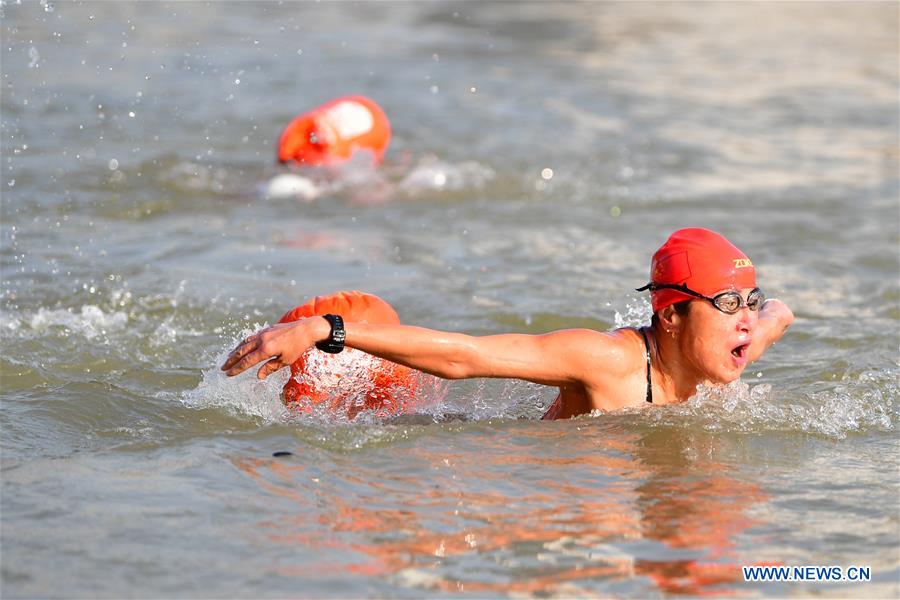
701, 259
331, 133
389, 385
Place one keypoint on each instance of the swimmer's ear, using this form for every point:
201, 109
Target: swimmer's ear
669, 319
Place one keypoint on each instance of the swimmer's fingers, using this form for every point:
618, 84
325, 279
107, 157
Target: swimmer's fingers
270, 367
242, 349
244, 356
237, 366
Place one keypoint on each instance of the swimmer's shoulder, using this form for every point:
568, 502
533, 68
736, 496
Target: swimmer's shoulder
606, 353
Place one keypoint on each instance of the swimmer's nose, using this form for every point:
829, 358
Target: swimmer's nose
747, 320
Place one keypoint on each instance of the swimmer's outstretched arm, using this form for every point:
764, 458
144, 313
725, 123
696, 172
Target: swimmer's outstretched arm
555, 358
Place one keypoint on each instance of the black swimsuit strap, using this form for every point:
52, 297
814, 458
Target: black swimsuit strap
647, 349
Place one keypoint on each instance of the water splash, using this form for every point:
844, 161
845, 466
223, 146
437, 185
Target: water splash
363, 182
638, 313
432, 174
289, 185
346, 376
505, 399
857, 406
242, 396
168, 332
35, 57
90, 322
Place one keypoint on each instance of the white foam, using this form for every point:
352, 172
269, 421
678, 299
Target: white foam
90, 322
436, 175
290, 185
857, 406
244, 395
166, 334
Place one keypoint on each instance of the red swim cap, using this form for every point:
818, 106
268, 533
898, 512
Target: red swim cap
701, 259
388, 385
331, 133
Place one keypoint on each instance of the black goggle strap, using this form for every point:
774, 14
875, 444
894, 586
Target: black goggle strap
670, 286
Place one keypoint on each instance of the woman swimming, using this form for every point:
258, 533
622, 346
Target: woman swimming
710, 321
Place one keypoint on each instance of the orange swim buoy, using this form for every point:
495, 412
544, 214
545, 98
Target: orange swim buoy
375, 383
331, 133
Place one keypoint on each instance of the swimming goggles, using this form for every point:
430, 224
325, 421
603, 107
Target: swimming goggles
728, 302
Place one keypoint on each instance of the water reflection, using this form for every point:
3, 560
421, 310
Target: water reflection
644, 510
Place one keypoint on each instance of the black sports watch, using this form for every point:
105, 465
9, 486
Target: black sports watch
335, 341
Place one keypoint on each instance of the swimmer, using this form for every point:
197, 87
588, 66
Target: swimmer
332, 133
350, 130
710, 320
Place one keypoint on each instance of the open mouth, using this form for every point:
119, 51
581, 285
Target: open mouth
740, 351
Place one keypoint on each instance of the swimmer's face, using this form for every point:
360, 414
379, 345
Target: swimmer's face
716, 344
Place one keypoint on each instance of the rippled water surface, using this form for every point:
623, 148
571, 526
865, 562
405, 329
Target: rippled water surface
541, 152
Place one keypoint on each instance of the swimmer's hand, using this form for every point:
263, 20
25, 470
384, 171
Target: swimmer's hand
280, 345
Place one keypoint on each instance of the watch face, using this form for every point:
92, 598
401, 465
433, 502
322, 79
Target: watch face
335, 341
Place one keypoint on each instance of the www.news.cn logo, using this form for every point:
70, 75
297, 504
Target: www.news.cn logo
807, 573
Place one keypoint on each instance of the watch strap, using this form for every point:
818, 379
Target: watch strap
335, 341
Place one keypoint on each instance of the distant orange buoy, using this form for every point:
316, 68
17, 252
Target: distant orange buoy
375, 383
331, 133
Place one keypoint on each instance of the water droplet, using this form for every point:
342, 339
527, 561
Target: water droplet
35, 57
131, 114
473, 89
12, 182
113, 165
615, 211
237, 82
299, 51
547, 173
48, 6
